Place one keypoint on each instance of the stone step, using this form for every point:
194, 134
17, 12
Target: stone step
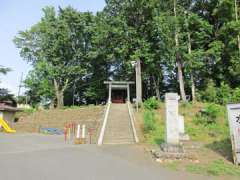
118, 140
118, 128
114, 142
119, 137
118, 134
114, 130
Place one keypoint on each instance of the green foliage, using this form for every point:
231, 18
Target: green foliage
215, 168
6, 96
58, 43
224, 94
153, 127
79, 50
4, 93
186, 105
210, 93
235, 95
29, 110
213, 111
209, 114
151, 103
149, 121
220, 95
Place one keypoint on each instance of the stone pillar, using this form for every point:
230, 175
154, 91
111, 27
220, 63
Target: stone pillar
128, 93
172, 124
172, 138
138, 81
110, 93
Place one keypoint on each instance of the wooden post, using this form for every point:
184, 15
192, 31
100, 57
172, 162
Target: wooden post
138, 82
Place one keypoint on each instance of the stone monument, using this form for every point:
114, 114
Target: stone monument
172, 130
172, 137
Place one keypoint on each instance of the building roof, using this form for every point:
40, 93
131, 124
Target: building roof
4, 107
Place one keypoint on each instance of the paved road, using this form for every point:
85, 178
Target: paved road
42, 157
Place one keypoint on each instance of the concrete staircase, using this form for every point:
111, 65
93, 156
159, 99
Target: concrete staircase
118, 129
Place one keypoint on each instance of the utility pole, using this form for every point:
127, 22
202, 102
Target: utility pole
138, 81
20, 86
236, 16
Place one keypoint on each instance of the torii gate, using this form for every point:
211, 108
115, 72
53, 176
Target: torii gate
119, 85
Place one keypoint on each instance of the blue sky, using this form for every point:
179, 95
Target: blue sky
16, 15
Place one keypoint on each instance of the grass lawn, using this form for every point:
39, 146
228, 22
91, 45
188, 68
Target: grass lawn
209, 132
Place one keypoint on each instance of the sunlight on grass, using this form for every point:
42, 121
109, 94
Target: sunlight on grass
215, 168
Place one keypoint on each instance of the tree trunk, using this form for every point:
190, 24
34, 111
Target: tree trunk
180, 78
191, 74
59, 93
193, 88
239, 44
236, 16
178, 60
156, 87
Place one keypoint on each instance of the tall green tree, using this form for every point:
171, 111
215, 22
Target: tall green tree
61, 42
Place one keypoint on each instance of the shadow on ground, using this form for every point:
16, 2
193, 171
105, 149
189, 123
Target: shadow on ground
222, 147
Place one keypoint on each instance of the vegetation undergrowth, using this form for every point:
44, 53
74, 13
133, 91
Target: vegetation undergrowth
205, 123
208, 124
151, 103
153, 125
215, 168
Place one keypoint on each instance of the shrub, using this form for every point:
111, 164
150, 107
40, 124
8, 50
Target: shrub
219, 95
149, 121
223, 94
214, 110
30, 110
210, 93
236, 95
151, 103
209, 114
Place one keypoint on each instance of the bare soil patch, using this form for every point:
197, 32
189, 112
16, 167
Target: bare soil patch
57, 118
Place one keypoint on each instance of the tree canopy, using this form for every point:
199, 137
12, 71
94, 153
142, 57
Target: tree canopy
182, 45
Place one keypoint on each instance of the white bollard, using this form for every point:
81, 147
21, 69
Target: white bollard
78, 131
83, 131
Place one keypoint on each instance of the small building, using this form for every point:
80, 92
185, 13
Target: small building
7, 112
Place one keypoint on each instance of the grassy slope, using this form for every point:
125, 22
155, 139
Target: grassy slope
214, 152
57, 118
